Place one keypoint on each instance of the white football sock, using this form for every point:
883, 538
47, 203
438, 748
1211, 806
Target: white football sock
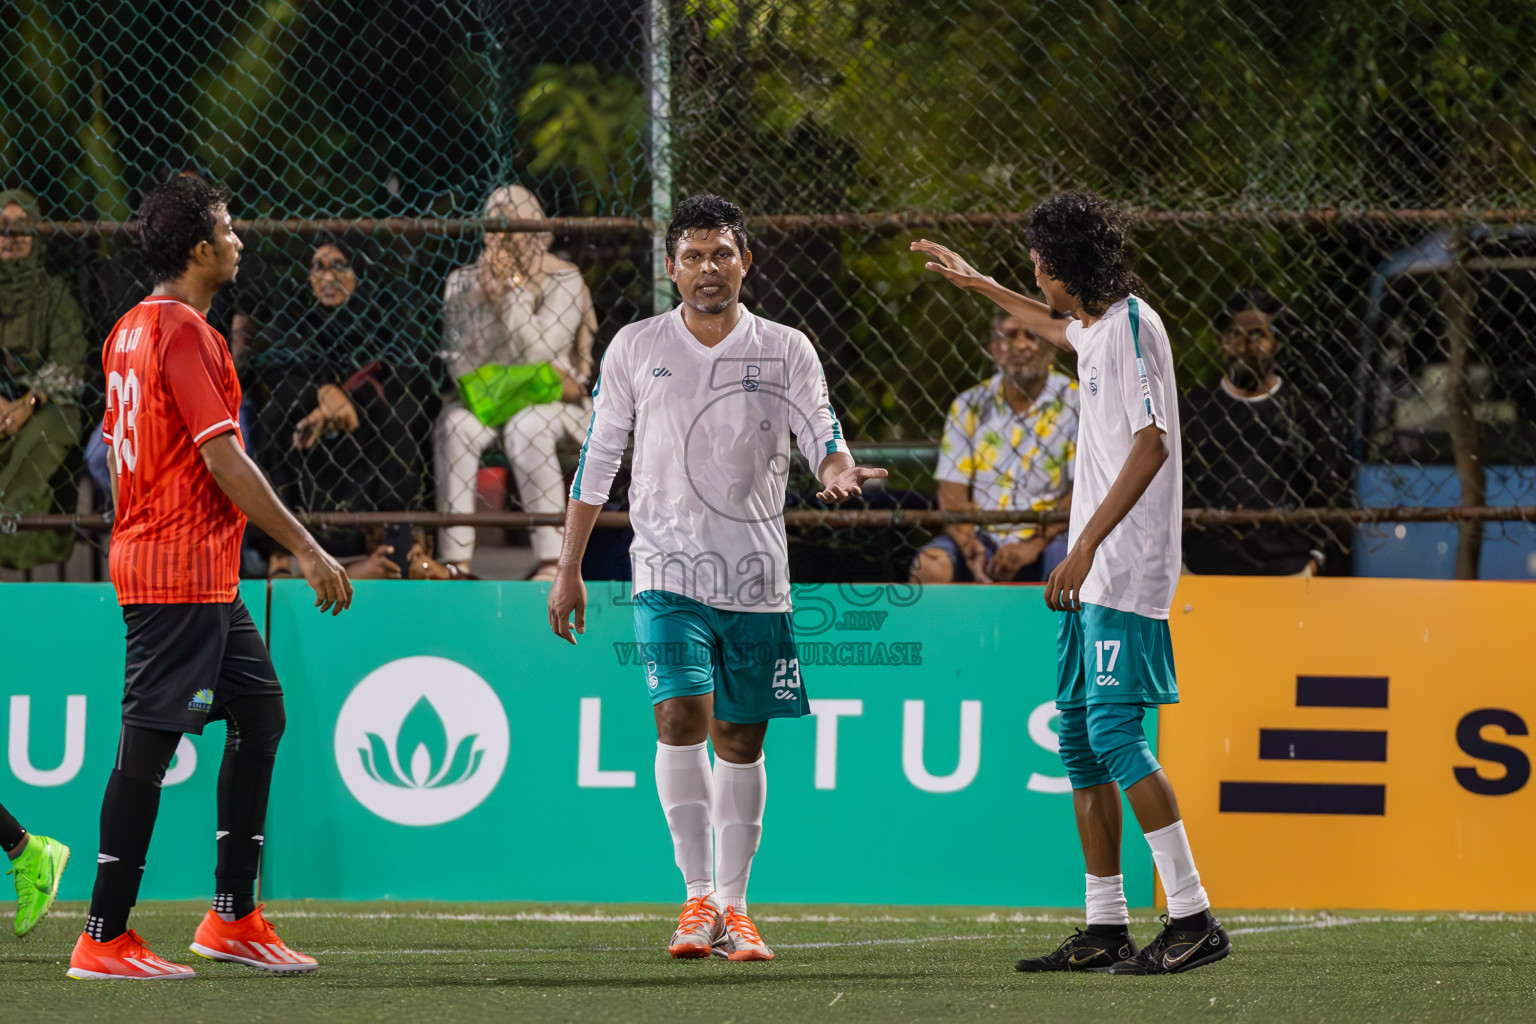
1106, 900
684, 785
741, 792
1176, 868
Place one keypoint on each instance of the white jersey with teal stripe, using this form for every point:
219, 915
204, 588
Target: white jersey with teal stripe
712, 431
1125, 380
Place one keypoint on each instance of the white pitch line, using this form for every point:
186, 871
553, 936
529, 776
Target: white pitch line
565, 917
1330, 922
887, 942
643, 949
555, 918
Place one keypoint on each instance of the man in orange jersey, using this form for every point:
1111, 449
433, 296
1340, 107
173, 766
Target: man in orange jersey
183, 487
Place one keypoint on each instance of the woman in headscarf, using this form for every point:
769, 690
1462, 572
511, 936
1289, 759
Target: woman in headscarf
517, 306
42, 371
343, 419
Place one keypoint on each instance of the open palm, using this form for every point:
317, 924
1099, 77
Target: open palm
948, 264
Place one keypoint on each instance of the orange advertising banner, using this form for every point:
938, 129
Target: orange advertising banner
1356, 743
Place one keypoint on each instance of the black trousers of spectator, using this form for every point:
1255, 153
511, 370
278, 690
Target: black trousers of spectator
380, 466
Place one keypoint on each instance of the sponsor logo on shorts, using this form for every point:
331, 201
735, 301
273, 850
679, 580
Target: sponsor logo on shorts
421, 741
1105, 679
202, 700
650, 675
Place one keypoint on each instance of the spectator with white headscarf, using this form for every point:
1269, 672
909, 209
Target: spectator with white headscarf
518, 326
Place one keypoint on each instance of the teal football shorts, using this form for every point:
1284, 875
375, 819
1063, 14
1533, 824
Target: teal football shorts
1105, 656
746, 659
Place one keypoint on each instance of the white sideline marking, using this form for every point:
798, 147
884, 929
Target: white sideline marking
1327, 922
557, 918
888, 942
566, 917
643, 949
1262, 922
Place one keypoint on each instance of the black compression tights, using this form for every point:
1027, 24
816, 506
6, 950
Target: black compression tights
255, 725
127, 821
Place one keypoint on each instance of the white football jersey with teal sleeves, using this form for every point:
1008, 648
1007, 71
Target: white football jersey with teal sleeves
1125, 384
712, 429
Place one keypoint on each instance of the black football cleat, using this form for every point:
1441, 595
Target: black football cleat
1175, 951
1082, 952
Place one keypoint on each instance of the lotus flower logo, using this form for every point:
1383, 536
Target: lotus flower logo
421, 741
427, 765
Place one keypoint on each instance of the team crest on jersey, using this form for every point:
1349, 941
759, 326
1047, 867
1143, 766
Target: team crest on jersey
1093, 380
202, 700
749, 379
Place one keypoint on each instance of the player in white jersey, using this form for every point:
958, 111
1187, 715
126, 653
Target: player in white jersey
1114, 588
712, 394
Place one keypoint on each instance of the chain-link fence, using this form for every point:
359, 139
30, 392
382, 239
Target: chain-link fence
1333, 207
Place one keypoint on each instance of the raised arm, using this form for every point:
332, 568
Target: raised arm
1034, 315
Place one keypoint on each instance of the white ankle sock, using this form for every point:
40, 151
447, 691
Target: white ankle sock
1106, 900
1176, 868
684, 785
741, 791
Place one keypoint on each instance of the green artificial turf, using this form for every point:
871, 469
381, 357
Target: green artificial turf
436, 962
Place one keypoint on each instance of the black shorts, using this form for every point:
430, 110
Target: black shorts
187, 661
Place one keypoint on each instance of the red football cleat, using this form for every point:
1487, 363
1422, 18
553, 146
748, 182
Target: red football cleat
125, 958
251, 941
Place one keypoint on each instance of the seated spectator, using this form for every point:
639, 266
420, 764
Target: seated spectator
1255, 441
521, 310
42, 371
1008, 443
342, 418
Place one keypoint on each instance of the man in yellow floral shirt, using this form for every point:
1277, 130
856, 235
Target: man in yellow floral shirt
1008, 443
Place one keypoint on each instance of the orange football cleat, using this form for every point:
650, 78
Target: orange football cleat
741, 941
124, 958
698, 929
251, 941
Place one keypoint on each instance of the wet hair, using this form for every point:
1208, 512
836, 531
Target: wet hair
1080, 239
1244, 299
705, 212
173, 219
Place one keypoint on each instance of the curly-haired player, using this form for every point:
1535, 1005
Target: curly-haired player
1115, 586
183, 487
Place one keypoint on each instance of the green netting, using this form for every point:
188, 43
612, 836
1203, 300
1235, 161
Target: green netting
1370, 166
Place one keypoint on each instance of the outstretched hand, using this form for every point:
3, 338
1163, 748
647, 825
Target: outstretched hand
848, 482
948, 264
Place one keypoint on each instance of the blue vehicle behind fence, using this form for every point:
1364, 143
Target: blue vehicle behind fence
1403, 441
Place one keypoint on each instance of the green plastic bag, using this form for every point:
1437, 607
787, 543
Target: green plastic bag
497, 393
